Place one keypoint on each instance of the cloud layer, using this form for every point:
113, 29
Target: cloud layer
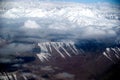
45, 18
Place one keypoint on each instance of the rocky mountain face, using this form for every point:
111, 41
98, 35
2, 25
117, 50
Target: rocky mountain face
61, 60
48, 50
58, 40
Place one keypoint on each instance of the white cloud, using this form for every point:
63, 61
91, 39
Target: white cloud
81, 14
30, 27
59, 26
30, 24
90, 21
92, 32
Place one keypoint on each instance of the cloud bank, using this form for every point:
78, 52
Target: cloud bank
73, 20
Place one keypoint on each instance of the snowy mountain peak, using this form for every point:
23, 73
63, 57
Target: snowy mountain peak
112, 54
63, 49
80, 14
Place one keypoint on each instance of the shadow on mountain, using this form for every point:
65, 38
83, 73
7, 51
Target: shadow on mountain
112, 74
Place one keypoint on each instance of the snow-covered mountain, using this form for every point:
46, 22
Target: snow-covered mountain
43, 39
35, 21
112, 54
50, 49
82, 14
78, 19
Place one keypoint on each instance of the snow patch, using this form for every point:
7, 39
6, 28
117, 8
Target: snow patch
47, 50
112, 53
